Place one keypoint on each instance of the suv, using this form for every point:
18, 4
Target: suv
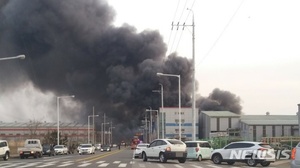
4, 150
164, 149
295, 156
198, 150
249, 152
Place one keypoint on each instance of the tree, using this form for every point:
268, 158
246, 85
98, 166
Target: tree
32, 126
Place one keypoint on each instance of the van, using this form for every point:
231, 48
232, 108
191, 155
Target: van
198, 150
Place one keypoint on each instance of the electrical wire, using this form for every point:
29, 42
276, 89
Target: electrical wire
220, 35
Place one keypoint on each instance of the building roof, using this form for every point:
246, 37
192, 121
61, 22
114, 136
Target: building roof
220, 114
41, 124
269, 119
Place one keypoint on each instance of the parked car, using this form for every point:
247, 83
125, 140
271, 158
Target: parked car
198, 150
249, 152
86, 149
139, 149
78, 147
48, 149
295, 157
61, 149
4, 150
105, 148
164, 149
98, 146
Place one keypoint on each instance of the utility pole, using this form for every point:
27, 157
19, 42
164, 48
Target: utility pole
193, 71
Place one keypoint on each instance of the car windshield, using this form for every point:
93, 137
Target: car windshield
58, 147
172, 141
86, 146
191, 144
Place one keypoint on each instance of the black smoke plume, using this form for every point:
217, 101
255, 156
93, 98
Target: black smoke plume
72, 47
220, 100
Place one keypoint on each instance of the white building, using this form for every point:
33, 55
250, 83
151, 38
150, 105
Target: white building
170, 122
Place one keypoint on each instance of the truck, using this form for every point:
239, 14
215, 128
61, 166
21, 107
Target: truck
32, 148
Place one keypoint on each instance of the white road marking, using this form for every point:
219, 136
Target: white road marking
84, 165
123, 165
103, 165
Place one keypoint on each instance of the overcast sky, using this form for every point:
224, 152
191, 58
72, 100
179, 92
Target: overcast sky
248, 47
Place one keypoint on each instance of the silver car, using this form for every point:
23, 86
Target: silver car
295, 157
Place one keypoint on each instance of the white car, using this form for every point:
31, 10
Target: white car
4, 150
198, 150
249, 152
164, 149
61, 149
86, 149
139, 149
98, 146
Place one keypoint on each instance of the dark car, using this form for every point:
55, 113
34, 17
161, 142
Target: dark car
48, 150
105, 148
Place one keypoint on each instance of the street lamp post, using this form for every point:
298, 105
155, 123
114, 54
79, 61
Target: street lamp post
103, 133
160, 117
15, 57
151, 120
57, 99
89, 126
110, 130
179, 98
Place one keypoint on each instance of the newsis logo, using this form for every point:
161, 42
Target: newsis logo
260, 154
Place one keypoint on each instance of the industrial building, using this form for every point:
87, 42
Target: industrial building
19, 131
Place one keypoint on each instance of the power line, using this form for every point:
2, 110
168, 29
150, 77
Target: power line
224, 29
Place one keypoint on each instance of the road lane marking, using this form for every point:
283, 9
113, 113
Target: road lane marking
103, 165
116, 162
122, 165
84, 165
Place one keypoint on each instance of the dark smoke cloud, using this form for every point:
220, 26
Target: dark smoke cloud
71, 47
220, 100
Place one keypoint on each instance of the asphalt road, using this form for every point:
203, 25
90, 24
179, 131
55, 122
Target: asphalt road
115, 159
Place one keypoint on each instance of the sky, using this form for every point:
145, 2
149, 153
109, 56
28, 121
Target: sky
247, 47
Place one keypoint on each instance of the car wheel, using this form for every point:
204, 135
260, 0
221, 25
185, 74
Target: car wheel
162, 158
199, 158
5, 157
181, 160
230, 162
144, 156
217, 158
251, 162
265, 164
